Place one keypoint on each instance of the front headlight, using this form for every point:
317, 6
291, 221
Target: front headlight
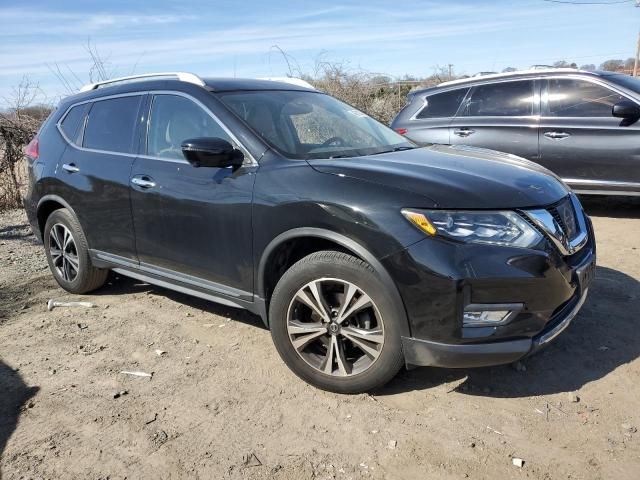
493, 228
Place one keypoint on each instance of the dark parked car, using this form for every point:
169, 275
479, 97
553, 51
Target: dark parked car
359, 251
581, 125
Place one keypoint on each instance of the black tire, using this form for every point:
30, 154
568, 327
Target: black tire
87, 277
337, 265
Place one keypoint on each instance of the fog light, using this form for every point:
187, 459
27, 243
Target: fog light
488, 315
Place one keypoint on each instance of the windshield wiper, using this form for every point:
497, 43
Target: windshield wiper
396, 149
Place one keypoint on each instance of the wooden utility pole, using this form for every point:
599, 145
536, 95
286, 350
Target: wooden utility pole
635, 64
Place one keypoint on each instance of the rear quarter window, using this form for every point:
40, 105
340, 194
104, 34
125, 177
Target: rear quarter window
443, 104
111, 124
72, 123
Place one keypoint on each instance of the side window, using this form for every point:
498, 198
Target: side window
578, 98
443, 104
73, 122
111, 124
503, 99
175, 119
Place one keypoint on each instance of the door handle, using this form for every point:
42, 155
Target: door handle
556, 135
70, 167
143, 182
464, 132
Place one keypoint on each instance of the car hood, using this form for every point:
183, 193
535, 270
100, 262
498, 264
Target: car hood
455, 176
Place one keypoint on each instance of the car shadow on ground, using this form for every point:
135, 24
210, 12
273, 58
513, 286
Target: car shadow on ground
20, 232
13, 397
119, 285
601, 338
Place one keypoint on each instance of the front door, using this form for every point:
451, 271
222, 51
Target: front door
582, 142
192, 225
501, 116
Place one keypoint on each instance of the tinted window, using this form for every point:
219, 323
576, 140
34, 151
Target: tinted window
504, 99
442, 104
577, 98
72, 122
175, 119
111, 124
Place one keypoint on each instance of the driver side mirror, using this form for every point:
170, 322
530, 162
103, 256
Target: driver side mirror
211, 152
626, 109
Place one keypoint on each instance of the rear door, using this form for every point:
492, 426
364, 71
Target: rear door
192, 225
501, 116
581, 141
95, 168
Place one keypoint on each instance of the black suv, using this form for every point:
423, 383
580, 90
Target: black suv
359, 251
581, 125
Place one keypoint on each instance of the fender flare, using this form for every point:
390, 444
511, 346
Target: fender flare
348, 244
57, 199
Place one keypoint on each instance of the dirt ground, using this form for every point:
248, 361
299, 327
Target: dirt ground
222, 405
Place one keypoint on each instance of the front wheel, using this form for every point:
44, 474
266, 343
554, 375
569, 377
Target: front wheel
334, 324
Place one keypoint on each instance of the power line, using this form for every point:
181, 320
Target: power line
589, 3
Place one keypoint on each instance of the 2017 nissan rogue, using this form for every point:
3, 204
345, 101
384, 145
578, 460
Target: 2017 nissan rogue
360, 251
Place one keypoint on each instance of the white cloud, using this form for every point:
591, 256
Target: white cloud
215, 39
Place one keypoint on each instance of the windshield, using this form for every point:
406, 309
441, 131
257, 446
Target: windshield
307, 125
626, 81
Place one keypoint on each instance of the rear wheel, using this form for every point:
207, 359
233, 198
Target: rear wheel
68, 255
334, 324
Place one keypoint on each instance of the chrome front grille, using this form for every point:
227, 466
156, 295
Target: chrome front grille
563, 223
564, 213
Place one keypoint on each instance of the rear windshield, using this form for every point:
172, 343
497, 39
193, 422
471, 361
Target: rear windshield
308, 125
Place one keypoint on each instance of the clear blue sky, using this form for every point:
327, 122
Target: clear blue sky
223, 38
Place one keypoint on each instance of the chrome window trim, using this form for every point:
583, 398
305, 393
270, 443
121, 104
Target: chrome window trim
84, 124
238, 144
470, 87
575, 76
543, 219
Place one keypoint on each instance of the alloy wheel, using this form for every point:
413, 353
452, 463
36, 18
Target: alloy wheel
63, 251
335, 327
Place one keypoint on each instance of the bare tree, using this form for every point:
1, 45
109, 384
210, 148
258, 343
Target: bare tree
612, 65
18, 125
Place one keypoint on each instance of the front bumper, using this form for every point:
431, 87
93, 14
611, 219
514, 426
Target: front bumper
437, 280
427, 353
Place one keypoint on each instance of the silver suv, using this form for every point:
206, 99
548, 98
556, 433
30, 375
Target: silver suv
581, 125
